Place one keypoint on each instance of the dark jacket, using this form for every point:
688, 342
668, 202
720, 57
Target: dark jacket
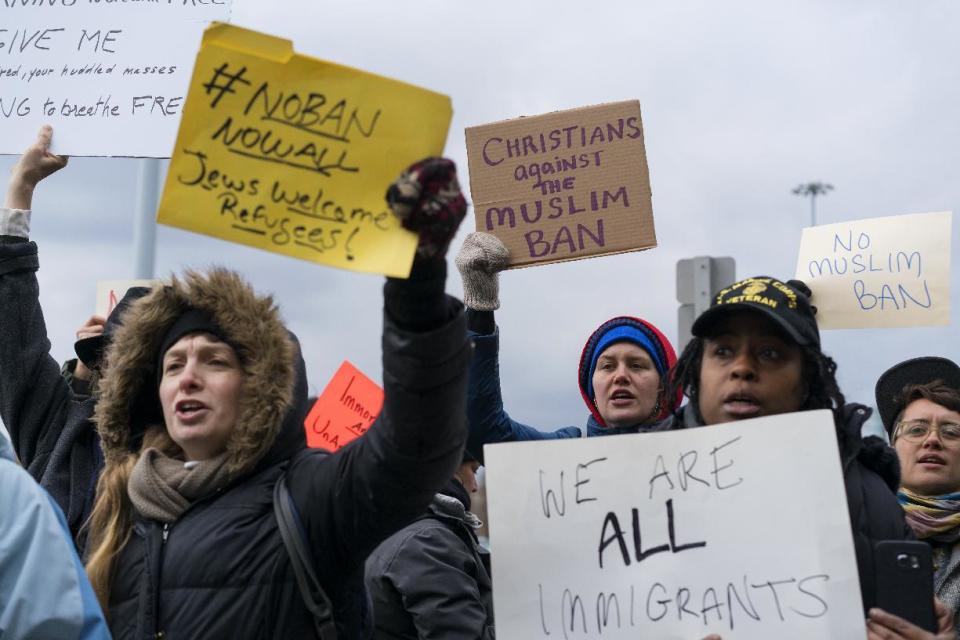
428, 580
871, 475
49, 426
221, 570
489, 422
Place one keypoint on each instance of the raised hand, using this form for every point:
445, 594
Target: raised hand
481, 257
427, 199
92, 328
34, 165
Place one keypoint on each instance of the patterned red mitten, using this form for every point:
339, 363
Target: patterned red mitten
428, 201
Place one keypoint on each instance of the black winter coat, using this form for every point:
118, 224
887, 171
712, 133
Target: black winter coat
871, 473
50, 427
221, 570
428, 581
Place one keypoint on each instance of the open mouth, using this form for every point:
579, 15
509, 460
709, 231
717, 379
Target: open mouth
189, 409
621, 397
741, 404
931, 459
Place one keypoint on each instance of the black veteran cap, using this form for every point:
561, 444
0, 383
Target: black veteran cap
916, 371
787, 305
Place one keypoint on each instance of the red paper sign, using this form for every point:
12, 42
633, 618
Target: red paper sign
345, 409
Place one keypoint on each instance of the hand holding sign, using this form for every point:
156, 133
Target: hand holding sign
481, 258
427, 199
34, 165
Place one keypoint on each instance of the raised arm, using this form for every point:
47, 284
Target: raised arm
355, 498
480, 259
34, 398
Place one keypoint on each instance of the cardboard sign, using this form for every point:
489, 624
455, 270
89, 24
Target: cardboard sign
675, 534
110, 292
881, 272
565, 185
110, 77
294, 155
345, 410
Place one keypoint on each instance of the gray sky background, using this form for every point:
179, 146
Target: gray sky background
741, 100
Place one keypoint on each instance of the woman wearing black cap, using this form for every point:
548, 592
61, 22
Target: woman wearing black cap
200, 416
756, 352
919, 403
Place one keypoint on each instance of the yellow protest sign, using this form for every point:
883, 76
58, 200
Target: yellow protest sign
292, 154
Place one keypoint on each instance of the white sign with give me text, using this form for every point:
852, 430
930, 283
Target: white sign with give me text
109, 76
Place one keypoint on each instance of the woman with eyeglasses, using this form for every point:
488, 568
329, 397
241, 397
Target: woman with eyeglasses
919, 403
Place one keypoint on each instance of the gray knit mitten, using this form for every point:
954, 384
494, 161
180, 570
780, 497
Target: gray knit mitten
480, 259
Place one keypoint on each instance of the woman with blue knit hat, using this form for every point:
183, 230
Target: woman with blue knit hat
623, 372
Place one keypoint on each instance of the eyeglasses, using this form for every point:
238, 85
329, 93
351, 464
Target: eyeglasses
916, 431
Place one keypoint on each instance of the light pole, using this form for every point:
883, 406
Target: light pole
144, 225
813, 189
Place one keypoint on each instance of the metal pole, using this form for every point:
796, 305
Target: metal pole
144, 225
813, 209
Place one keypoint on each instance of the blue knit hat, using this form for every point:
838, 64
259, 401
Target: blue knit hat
625, 333
639, 332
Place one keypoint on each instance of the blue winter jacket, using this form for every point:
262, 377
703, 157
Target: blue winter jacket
44, 591
489, 422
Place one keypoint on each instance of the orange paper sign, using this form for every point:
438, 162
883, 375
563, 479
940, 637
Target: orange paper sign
345, 409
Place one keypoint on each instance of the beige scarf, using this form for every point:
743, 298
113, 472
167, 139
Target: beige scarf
162, 488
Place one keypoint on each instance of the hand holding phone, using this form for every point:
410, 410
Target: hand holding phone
903, 572
884, 626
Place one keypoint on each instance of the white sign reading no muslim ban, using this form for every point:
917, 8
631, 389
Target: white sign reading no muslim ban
739, 529
880, 272
110, 77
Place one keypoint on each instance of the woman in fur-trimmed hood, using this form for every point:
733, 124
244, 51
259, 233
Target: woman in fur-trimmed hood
200, 414
164, 527
223, 305
200, 417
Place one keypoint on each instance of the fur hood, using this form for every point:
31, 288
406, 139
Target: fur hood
273, 395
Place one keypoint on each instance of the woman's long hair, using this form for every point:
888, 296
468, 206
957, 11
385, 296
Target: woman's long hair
111, 521
819, 375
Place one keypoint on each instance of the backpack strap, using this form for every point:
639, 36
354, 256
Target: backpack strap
314, 597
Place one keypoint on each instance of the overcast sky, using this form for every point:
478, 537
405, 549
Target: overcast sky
741, 101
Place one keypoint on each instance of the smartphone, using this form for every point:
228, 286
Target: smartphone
903, 571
